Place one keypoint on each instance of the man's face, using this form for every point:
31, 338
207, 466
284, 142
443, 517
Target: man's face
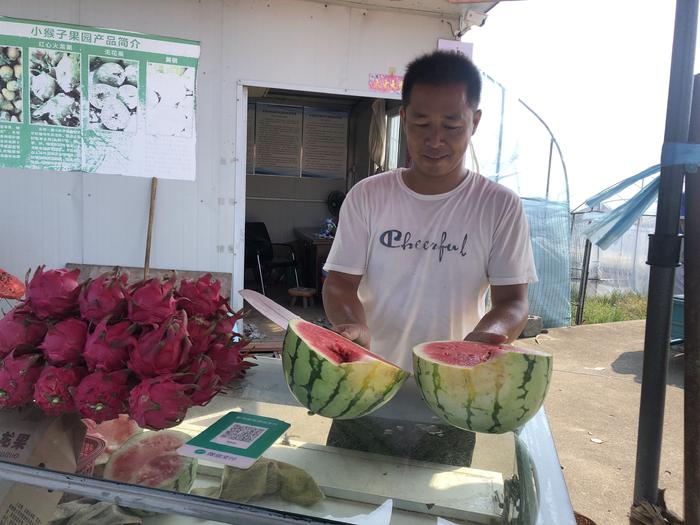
439, 125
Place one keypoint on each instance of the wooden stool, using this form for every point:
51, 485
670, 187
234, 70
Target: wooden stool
306, 294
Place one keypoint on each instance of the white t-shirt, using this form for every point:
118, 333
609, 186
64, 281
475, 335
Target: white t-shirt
427, 260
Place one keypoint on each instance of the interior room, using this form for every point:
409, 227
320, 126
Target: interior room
305, 150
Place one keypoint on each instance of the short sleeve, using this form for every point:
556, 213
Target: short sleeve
349, 250
510, 259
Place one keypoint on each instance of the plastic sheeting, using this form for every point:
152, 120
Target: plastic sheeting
514, 147
622, 265
549, 231
611, 226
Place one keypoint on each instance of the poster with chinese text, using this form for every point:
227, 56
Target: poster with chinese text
76, 98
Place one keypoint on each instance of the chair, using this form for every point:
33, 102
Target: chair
264, 256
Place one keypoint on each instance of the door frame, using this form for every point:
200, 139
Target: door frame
240, 158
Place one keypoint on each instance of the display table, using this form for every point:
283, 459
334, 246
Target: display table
511, 479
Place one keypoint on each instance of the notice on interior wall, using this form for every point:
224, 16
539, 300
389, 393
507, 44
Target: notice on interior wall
278, 132
325, 152
78, 98
250, 146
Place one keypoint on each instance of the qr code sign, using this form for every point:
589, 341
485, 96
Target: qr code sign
239, 435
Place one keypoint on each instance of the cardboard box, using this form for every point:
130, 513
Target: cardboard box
29, 437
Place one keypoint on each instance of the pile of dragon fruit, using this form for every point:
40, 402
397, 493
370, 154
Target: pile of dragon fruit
103, 348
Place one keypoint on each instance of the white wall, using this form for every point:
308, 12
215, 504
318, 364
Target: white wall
56, 218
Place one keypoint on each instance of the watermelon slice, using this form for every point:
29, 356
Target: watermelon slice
334, 377
481, 387
10, 286
114, 432
150, 459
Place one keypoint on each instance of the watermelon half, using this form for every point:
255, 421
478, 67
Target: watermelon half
334, 377
10, 286
481, 387
150, 459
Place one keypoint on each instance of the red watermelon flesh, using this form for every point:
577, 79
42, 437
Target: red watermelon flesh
334, 347
150, 459
464, 353
10, 286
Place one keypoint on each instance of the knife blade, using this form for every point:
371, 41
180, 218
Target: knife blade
274, 312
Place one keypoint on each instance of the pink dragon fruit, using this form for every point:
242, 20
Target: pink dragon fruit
20, 327
163, 350
202, 373
201, 332
151, 301
229, 360
108, 347
200, 297
225, 320
53, 293
102, 396
160, 402
103, 296
18, 373
65, 341
52, 391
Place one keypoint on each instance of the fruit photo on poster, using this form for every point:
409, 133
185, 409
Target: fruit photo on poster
10, 84
113, 94
55, 87
170, 100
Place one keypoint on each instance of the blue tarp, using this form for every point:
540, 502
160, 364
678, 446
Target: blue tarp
606, 230
549, 231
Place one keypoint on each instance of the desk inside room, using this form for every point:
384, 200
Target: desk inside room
316, 249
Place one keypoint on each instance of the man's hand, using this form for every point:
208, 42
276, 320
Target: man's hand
359, 333
343, 308
507, 317
489, 338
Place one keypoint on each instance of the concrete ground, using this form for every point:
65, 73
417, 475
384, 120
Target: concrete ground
593, 410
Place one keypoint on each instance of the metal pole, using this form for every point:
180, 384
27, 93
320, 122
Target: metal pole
583, 285
692, 325
549, 168
500, 132
664, 246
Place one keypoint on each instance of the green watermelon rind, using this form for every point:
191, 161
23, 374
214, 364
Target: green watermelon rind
186, 475
494, 397
337, 391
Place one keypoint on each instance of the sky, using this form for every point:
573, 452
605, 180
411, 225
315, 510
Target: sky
596, 72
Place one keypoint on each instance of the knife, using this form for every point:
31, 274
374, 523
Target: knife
274, 312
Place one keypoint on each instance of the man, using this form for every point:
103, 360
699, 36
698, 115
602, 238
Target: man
417, 249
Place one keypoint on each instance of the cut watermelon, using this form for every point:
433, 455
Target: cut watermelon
334, 377
150, 459
10, 286
481, 387
114, 432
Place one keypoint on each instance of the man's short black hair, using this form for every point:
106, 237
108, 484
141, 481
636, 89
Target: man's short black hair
443, 67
